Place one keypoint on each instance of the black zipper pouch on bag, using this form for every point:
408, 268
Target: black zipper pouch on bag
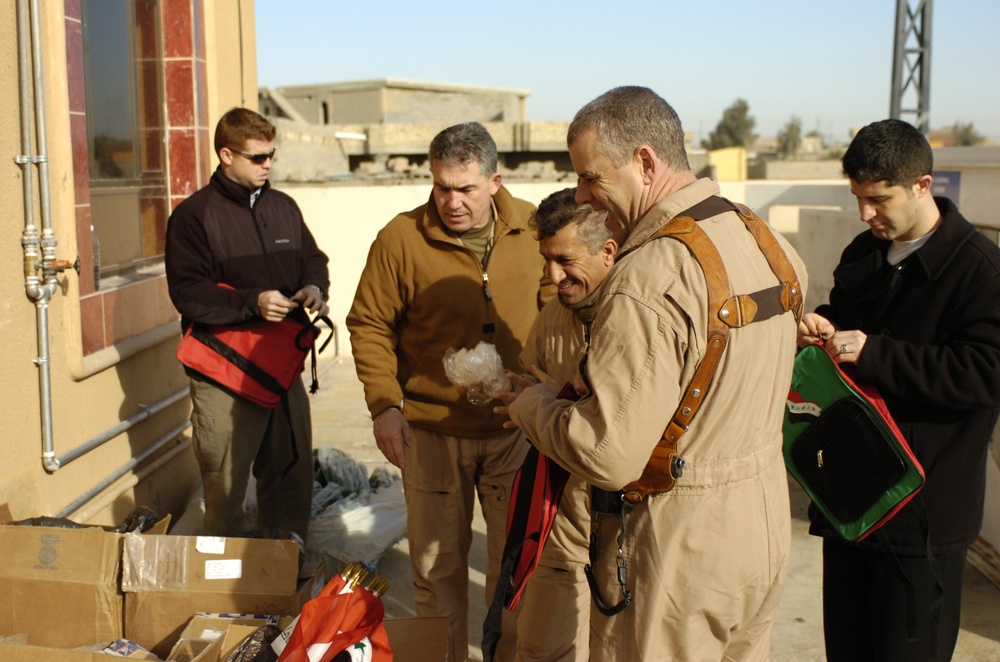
846, 460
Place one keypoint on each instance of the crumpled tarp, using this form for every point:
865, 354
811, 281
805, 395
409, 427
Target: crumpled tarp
356, 515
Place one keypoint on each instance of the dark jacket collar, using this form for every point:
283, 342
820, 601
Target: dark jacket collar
235, 192
939, 251
932, 258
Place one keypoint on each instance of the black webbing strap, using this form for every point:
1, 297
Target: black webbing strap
493, 623
304, 341
238, 360
937, 593
624, 509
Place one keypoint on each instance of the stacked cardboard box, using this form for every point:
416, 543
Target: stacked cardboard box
64, 588
60, 586
166, 579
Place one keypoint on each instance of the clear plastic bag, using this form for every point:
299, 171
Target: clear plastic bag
256, 647
479, 370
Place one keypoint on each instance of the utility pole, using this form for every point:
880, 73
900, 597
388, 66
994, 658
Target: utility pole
911, 63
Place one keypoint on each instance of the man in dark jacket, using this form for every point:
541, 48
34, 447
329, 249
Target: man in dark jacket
239, 251
916, 308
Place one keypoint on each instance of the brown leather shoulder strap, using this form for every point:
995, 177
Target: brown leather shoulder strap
781, 266
665, 465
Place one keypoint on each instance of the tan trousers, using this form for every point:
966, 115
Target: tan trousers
442, 476
553, 621
233, 436
706, 567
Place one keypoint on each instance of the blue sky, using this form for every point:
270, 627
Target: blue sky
829, 63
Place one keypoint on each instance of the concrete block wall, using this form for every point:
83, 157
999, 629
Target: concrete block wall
825, 169
414, 138
377, 103
546, 137
306, 152
432, 106
821, 237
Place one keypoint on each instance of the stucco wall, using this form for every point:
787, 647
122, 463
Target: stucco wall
92, 394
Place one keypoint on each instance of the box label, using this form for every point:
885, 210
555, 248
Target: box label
48, 553
210, 545
225, 569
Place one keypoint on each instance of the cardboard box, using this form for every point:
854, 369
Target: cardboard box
207, 637
167, 579
14, 653
11, 652
60, 586
418, 639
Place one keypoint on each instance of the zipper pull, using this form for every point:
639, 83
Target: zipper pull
488, 326
486, 286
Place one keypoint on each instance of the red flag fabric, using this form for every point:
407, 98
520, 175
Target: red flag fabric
339, 619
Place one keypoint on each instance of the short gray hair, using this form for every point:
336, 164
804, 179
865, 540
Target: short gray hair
463, 144
627, 117
560, 209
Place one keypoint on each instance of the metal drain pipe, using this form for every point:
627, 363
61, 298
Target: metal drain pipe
109, 434
146, 453
39, 289
41, 270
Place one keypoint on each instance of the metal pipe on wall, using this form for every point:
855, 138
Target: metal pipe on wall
41, 289
95, 505
146, 453
144, 414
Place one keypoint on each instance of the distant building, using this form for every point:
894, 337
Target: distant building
382, 128
397, 101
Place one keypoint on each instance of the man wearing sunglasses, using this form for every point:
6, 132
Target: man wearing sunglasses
238, 251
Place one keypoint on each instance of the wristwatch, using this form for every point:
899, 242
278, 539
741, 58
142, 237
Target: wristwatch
319, 291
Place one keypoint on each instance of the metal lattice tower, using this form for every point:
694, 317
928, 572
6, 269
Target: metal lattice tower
911, 64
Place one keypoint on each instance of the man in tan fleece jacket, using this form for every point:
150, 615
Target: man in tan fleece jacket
460, 269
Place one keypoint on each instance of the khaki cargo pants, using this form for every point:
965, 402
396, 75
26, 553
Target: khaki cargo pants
233, 436
442, 476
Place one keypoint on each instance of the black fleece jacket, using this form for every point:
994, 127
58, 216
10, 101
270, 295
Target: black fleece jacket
215, 237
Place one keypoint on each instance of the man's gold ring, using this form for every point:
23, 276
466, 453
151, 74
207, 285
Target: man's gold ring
843, 349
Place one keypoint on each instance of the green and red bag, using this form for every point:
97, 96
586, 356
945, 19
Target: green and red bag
842, 446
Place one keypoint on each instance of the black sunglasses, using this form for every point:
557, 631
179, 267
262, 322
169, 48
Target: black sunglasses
259, 159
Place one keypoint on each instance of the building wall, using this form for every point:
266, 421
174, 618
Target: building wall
388, 101
355, 107
820, 169
111, 348
729, 163
413, 105
307, 152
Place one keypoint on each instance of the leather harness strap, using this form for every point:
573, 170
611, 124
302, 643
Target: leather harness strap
666, 465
